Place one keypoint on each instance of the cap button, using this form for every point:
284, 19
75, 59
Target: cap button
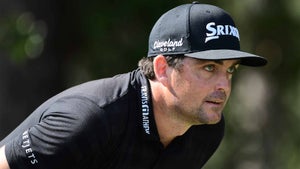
195, 2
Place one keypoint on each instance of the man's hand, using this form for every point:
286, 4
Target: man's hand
3, 160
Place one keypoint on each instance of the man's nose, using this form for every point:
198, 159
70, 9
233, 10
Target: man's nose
223, 82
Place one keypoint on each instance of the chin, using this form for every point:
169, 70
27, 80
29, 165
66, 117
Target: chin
209, 116
214, 119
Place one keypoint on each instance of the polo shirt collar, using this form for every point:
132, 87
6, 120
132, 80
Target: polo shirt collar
146, 110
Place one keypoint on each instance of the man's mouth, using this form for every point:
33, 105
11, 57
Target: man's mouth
216, 102
216, 98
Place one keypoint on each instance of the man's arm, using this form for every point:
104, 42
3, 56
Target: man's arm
3, 160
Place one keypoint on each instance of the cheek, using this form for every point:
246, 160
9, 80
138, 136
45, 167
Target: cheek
194, 90
192, 85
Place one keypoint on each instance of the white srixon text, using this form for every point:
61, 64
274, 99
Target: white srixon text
215, 31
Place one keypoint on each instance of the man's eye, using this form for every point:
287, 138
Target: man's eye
232, 69
209, 68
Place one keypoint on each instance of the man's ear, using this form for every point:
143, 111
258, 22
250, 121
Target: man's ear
160, 67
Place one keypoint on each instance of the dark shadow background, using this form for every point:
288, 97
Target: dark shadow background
50, 45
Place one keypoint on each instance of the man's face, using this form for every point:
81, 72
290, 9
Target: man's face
200, 89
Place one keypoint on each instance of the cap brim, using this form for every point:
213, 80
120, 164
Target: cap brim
247, 59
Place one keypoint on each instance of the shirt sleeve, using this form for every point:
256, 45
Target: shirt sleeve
71, 133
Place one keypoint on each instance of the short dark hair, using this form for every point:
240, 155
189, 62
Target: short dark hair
146, 64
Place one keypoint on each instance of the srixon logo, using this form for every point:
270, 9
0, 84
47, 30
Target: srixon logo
215, 31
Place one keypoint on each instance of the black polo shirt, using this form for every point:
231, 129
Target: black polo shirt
105, 124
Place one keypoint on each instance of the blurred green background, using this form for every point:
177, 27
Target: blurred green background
47, 46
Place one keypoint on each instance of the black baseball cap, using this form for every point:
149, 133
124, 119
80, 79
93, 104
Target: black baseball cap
199, 31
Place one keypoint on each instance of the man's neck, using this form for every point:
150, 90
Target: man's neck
168, 126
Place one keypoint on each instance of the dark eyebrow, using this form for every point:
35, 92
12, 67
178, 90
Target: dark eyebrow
221, 62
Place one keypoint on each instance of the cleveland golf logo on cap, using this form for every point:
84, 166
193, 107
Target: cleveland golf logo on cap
168, 45
215, 31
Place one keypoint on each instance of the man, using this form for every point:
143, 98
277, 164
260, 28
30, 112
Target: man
166, 114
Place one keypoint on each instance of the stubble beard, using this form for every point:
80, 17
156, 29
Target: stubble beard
205, 117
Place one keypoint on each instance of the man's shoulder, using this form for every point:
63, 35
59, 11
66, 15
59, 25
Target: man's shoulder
101, 91
109, 98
